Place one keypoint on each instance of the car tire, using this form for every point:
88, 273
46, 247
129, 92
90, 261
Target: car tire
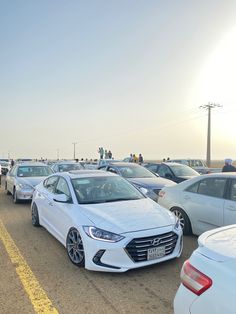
184, 220
15, 198
8, 192
35, 216
75, 248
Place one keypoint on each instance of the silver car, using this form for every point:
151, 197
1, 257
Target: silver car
65, 166
23, 177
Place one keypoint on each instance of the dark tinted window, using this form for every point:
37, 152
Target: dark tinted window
164, 170
210, 186
152, 168
232, 192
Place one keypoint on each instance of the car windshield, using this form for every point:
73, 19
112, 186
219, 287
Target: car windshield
181, 170
4, 163
69, 167
136, 172
34, 171
104, 189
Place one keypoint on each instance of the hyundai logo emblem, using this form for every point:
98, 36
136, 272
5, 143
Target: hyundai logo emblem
156, 241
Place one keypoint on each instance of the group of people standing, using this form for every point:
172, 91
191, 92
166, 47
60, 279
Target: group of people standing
104, 153
137, 159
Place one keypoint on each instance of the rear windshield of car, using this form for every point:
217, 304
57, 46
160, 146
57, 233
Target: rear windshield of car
182, 170
136, 172
69, 167
34, 171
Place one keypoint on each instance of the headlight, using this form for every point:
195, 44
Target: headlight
102, 235
24, 186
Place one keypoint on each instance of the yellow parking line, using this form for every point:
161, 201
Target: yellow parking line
37, 295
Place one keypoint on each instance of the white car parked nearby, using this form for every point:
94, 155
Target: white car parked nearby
104, 222
208, 277
202, 203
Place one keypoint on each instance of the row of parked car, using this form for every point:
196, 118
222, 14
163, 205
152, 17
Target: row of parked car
123, 216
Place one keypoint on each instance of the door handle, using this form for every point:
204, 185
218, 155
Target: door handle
50, 203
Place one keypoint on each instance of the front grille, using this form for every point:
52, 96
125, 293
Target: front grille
137, 249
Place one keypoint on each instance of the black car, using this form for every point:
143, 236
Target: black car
172, 171
148, 182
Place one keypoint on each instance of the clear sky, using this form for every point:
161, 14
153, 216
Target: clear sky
128, 75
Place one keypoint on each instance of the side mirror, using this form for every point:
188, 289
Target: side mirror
61, 198
168, 176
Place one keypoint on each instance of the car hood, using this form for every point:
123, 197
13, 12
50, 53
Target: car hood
153, 183
128, 216
32, 181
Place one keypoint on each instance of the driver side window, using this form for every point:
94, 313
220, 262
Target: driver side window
163, 171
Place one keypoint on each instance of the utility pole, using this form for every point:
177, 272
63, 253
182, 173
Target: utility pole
74, 148
208, 107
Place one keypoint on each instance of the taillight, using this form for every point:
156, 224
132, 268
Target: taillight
194, 280
161, 193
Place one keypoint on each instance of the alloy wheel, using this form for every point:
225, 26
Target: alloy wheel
75, 247
179, 215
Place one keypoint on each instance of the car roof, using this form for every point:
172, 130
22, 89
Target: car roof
30, 164
221, 174
87, 174
66, 162
166, 163
123, 164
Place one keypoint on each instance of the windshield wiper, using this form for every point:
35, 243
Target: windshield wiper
121, 199
92, 202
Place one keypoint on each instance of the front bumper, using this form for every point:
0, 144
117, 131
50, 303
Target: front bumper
114, 257
24, 194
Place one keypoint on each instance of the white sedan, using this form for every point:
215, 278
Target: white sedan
105, 223
208, 277
202, 203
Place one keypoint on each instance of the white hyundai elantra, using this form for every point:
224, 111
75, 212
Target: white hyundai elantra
105, 223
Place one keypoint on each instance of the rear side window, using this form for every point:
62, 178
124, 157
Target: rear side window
232, 192
214, 187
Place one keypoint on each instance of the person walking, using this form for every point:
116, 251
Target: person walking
228, 167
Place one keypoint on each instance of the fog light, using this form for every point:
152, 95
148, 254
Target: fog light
98, 256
